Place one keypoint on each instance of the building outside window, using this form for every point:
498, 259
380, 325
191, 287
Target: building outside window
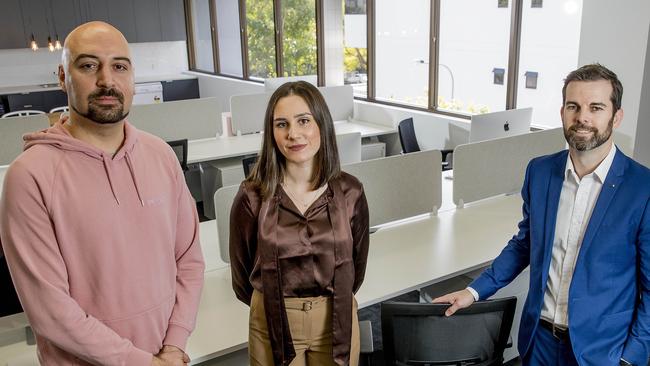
202, 35
230, 58
355, 46
260, 29
552, 52
299, 54
402, 51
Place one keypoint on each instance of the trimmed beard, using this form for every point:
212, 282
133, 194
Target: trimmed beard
596, 139
104, 114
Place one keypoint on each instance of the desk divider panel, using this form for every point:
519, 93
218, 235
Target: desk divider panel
190, 119
340, 101
349, 146
402, 186
223, 199
490, 168
3, 170
247, 112
12, 130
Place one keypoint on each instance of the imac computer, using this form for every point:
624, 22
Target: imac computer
500, 124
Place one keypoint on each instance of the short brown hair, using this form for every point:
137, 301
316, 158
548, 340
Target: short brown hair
269, 170
594, 72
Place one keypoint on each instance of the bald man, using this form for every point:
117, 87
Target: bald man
98, 227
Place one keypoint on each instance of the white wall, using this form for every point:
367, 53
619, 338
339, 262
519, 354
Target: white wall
20, 67
615, 34
641, 145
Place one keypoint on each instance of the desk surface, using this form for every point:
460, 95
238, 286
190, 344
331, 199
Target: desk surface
438, 247
233, 146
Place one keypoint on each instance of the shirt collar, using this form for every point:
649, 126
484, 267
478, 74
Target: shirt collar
601, 170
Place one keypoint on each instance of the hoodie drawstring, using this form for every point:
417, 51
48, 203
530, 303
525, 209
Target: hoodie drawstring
133, 176
110, 180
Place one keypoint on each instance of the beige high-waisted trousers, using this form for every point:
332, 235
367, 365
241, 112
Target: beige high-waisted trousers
310, 323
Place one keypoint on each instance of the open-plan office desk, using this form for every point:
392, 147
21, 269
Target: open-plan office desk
218, 148
402, 257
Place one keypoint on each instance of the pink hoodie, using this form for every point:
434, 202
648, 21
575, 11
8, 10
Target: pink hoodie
104, 251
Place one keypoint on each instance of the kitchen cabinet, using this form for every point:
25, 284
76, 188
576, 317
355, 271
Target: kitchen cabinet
121, 14
180, 89
139, 21
147, 23
13, 33
172, 18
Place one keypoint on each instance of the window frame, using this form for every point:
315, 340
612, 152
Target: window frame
511, 73
243, 25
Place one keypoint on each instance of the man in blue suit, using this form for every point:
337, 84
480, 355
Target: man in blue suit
585, 234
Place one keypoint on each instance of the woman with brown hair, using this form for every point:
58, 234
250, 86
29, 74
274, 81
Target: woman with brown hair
299, 238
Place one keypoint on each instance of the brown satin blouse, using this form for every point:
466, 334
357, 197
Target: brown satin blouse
280, 252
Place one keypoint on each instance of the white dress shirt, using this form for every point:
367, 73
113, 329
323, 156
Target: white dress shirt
577, 200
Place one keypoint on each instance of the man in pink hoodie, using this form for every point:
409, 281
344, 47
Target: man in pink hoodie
97, 224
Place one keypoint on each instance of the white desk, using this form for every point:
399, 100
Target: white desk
233, 146
438, 247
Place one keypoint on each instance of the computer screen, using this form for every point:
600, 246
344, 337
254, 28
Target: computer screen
500, 124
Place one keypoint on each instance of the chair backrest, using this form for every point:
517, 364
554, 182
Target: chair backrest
419, 334
248, 163
407, 136
12, 131
60, 109
180, 149
26, 112
223, 199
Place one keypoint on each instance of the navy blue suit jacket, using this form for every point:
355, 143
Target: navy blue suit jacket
609, 308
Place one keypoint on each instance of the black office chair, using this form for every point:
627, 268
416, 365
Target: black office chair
410, 143
248, 163
421, 334
10, 304
180, 148
407, 136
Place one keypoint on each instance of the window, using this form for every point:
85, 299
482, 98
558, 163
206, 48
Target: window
531, 80
550, 51
355, 46
299, 37
260, 30
202, 36
474, 36
402, 51
456, 58
227, 15
498, 75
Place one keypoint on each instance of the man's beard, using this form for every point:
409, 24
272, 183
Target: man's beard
580, 143
104, 114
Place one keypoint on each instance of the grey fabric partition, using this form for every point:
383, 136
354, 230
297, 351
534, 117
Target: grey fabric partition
340, 101
402, 186
190, 119
396, 188
349, 146
12, 130
489, 168
247, 112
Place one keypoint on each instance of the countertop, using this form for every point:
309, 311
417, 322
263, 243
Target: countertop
53, 86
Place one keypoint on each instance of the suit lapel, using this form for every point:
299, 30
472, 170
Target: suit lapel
610, 186
552, 203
